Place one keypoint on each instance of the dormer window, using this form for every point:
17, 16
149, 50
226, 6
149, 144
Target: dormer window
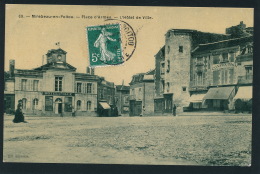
225, 57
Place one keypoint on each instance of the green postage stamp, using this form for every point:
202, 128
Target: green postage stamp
104, 45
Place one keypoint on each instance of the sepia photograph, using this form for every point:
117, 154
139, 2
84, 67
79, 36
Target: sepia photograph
139, 85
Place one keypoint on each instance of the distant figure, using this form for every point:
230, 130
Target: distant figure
174, 110
73, 112
19, 117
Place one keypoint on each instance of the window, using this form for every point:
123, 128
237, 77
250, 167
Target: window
225, 57
24, 100
209, 63
35, 85
48, 103
224, 76
24, 81
168, 50
199, 79
249, 71
232, 57
89, 88
180, 49
216, 59
58, 83
184, 89
168, 66
101, 93
216, 77
35, 103
168, 86
78, 105
88, 105
162, 86
68, 104
199, 60
162, 68
126, 99
79, 87
132, 91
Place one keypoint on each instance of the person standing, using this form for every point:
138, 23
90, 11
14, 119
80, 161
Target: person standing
19, 117
73, 112
174, 110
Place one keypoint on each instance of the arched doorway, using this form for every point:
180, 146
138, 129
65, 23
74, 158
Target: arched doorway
58, 106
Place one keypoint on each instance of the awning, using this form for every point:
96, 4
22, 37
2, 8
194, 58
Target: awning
196, 98
244, 92
104, 105
220, 93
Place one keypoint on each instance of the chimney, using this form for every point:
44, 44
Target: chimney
11, 67
90, 71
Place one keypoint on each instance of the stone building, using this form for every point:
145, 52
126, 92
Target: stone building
106, 97
175, 69
178, 74
54, 88
159, 101
218, 72
142, 94
122, 98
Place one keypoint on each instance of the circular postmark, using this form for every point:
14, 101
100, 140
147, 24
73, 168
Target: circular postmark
111, 43
128, 38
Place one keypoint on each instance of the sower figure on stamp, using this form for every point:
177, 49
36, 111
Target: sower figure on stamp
19, 117
174, 110
101, 43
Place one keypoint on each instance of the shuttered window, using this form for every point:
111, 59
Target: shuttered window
215, 77
231, 76
216, 59
232, 57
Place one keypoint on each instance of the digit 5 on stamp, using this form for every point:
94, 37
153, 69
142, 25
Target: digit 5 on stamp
104, 45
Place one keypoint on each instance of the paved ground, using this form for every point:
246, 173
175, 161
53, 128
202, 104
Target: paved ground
182, 140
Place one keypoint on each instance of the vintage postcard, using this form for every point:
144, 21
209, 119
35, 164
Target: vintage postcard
128, 85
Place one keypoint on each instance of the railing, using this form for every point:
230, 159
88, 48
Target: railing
245, 79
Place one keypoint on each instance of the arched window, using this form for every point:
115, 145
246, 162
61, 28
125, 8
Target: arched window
35, 103
24, 101
78, 105
88, 105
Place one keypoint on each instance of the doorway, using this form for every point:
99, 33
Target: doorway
58, 106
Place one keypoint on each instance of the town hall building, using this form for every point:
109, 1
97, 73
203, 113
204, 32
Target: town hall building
53, 89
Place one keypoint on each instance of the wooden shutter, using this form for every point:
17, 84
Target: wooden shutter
93, 88
215, 77
231, 76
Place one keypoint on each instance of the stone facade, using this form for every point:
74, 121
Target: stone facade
57, 89
192, 61
122, 99
142, 94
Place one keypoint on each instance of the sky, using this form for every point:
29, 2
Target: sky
28, 39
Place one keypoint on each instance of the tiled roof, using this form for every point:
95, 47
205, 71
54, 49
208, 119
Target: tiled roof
56, 65
122, 88
222, 44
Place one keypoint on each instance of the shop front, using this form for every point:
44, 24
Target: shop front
104, 109
243, 99
58, 103
220, 98
197, 102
